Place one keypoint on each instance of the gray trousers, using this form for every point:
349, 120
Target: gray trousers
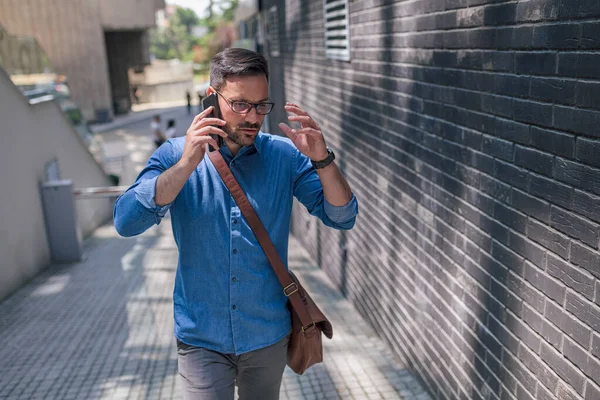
210, 375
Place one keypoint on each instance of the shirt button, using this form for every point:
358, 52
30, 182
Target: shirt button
233, 279
235, 221
234, 251
233, 307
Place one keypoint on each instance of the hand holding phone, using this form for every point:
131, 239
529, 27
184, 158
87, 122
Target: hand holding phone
201, 133
213, 101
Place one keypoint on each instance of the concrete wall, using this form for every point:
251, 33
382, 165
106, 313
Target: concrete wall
164, 81
469, 132
128, 15
31, 137
163, 71
172, 91
71, 32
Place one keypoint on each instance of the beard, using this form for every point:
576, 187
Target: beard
236, 135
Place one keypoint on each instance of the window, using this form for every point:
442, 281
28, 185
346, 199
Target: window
273, 31
337, 34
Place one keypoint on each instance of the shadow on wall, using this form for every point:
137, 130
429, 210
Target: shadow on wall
437, 283
373, 275
289, 37
424, 263
363, 142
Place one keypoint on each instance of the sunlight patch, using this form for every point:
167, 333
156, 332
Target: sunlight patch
54, 285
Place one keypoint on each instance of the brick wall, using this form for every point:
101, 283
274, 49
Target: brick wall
469, 131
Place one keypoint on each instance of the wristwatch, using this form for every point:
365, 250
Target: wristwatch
324, 162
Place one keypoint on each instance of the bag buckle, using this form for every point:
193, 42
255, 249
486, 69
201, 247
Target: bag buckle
290, 289
307, 327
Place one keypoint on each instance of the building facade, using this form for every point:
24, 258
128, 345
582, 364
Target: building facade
469, 133
93, 43
164, 81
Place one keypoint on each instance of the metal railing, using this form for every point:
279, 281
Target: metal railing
99, 192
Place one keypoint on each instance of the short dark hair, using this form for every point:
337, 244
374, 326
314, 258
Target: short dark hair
236, 62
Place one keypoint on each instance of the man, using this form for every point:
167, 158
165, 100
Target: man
231, 320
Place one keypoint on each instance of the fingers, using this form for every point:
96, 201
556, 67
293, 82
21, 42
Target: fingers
209, 121
212, 142
203, 114
201, 119
202, 142
206, 122
305, 120
208, 130
293, 133
289, 132
290, 107
301, 116
314, 133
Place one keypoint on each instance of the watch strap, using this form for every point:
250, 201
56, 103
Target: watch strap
324, 162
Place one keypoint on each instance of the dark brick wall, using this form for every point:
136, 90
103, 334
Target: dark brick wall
470, 133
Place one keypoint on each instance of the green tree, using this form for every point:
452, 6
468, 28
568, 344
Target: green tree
161, 45
186, 17
229, 10
176, 40
218, 11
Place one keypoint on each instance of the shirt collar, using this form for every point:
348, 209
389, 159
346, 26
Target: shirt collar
258, 142
258, 145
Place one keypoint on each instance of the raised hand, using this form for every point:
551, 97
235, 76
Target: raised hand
198, 137
309, 139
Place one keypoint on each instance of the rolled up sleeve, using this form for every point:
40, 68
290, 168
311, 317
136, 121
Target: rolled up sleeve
309, 191
145, 193
135, 210
342, 214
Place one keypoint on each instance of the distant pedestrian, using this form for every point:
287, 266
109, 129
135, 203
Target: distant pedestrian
188, 97
171, 131
137, 92
157, 135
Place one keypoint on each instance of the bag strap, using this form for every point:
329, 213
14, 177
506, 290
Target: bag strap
291, 289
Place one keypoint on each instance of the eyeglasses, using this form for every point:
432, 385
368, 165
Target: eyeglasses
244, 107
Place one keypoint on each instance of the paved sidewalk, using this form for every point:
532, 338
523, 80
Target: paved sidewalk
102, 329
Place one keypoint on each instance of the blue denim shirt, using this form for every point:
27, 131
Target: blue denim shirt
227, 297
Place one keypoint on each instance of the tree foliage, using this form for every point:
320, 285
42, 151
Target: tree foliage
186, 17
176, 39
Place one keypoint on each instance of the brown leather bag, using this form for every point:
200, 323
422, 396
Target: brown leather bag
308, 322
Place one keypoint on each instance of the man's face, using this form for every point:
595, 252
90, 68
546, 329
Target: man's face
243, 128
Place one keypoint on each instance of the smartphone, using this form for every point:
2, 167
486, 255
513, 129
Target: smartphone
208, 101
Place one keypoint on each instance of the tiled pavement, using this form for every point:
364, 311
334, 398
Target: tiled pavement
103, 328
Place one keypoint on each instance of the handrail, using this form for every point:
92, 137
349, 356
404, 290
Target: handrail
98, 192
